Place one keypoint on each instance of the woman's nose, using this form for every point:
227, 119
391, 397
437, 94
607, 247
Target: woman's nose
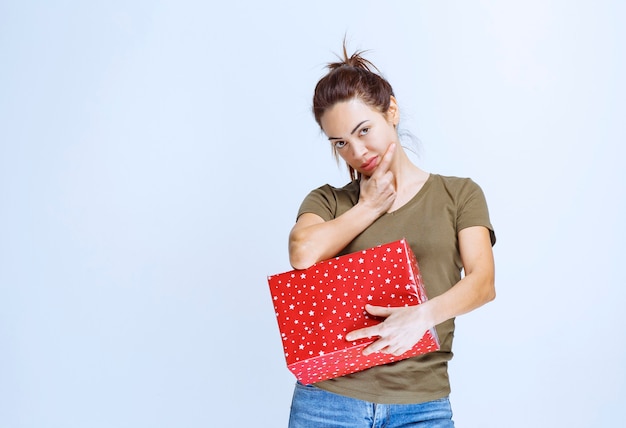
359, 150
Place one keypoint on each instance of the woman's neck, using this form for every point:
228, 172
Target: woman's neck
409, 180
407, 174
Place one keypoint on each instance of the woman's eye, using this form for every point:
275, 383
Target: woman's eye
365, 131
339, 144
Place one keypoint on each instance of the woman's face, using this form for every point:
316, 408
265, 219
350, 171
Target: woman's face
359, 133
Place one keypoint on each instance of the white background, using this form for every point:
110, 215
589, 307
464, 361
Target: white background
153, 155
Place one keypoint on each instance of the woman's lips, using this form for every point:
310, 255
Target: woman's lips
369, 164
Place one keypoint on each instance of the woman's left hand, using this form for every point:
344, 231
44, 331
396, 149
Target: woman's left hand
404, 326
402, 329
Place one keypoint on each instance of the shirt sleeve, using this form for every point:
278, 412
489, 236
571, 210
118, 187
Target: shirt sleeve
320, 201
473, 210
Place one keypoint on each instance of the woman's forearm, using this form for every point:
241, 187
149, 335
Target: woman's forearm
313, 239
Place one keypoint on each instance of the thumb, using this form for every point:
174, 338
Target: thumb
379, 311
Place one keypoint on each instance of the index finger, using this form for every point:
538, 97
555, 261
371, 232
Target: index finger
385, 162
363, 333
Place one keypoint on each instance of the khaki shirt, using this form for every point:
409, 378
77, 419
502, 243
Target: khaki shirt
430, 223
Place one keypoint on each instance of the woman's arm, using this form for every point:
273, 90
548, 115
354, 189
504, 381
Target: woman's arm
477, 287
312, 239
405, 326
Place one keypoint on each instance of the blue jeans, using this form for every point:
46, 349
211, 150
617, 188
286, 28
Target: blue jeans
313, 407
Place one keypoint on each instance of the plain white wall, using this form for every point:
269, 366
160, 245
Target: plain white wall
153, 156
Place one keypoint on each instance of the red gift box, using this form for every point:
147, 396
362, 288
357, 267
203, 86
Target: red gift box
316, 307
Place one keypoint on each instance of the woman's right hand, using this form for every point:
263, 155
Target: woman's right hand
378, 191
312, 239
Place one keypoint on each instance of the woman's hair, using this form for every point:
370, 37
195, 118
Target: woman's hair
349, 78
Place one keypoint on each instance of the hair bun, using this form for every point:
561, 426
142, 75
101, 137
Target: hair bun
356, 60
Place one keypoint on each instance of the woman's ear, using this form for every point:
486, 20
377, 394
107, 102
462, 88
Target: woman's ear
393, 113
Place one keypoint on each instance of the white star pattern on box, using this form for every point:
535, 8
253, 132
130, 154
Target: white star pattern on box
315, 352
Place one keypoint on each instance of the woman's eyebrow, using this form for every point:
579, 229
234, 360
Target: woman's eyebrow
353, 131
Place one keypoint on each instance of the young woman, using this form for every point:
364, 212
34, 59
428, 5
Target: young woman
445, 221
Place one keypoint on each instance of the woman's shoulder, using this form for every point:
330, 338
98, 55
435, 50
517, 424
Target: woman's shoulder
453, 182
331, 195
348, 188
329, 201
457, 188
